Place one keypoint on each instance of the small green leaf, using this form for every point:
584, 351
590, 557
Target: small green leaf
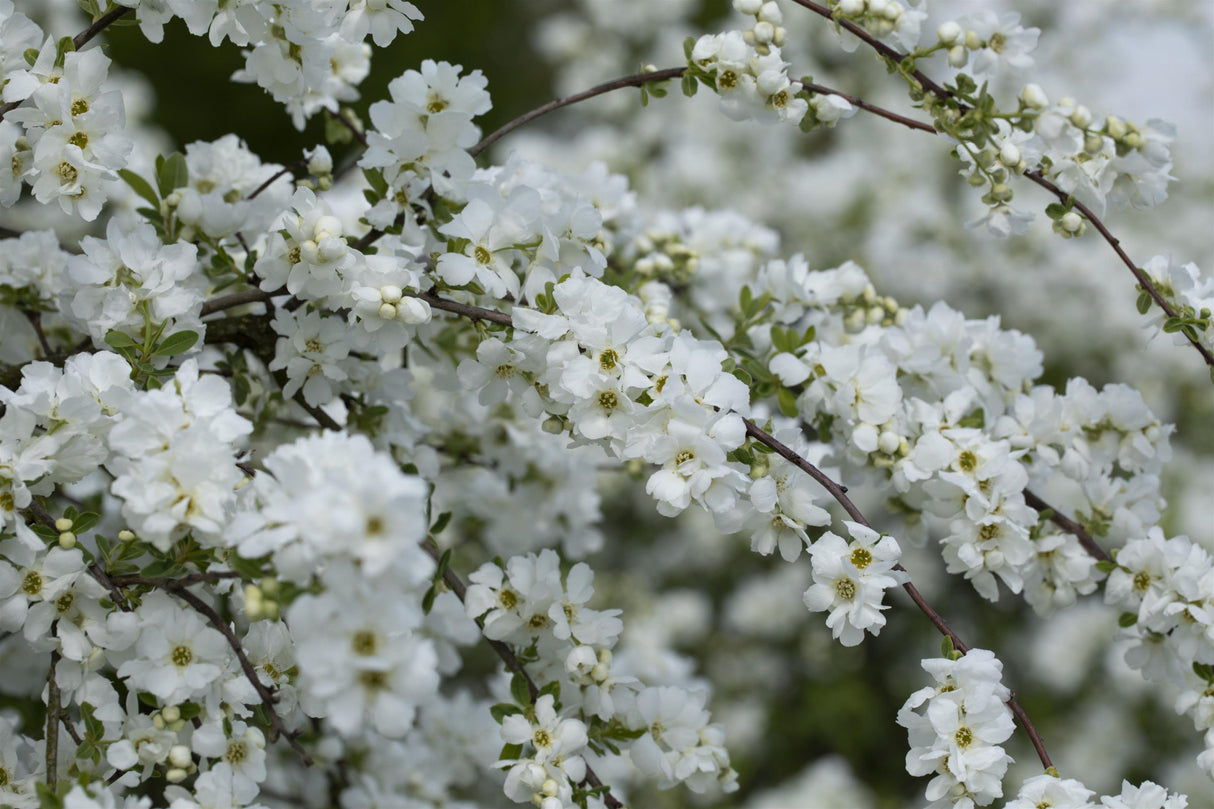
1127, 619
689, 45
85, 522
788, 402
439, 524
171, 173
1144, 302
1106, 566
510, 752
502, 710
519, 690
140, 186
119, 340
946, 647
178, 342
690, 85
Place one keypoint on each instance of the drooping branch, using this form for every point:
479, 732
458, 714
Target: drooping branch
507, 655
79, 41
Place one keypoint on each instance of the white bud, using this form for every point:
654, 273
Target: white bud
327, 226
413, 310
171, 713
387, 311
747, 6
1081, 117
331, 249
158, 721
125, 536
972, 40
320, 162
888, 442
599, 673
1071, 222
1034, 97
850, 8
770, 12
1009, 155
1115, 127
764, 32
67, 540
550, 787
390, 293
958, 56
63, 524
949, 32
176, 775
179, 756
893, 12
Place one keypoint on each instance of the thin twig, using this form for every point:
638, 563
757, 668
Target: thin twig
268, 698
52, 720
354, 130
270, 180
456, 585
237, 299
635, 80
79, 41
1070, 526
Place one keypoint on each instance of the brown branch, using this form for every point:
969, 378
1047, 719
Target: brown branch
462, 309
70, 728
348, 124
79, 41
270, 180
268, 698
238, 299
52, 720
635, 80
1070, 526
456, 585
1115, 243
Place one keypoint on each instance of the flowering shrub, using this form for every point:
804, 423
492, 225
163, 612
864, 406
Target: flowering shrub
306, 472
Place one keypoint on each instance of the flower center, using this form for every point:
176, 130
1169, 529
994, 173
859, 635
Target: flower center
861, 558
608, 400
363, 643
968, 461
964, 737
482, 255
236, 753
845, 588
31, 585
181, 656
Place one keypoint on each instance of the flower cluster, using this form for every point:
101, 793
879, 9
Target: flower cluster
65, 136
308, 56
956, 727
586, 703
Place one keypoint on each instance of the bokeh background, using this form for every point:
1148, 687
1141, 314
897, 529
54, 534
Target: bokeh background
812, 724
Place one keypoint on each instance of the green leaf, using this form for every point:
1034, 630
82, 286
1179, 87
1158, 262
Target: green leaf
119, 340
502, 710
690, 85
553, 688
689, 45
428, 599
1144, 302
440, 523
946, 647
178, 342
510, 752
140, 186
160, 567
85, 522
1106, 566
519, 690
47, 799
1127, 619
189, 710
171, 173
788, 402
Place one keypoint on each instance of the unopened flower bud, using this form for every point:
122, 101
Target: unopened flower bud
1034, 97
958, 56
949, 32
126, 536
176, 775
320, 162
764, 32
747, 6
63, 524
1081, 117
1009, 155
171, 713
850, 8
390, 293
67, 540
179, 756
1093, 144
770, 12
1071, 222
1115, 127
972, 41
387, 311
888, 442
